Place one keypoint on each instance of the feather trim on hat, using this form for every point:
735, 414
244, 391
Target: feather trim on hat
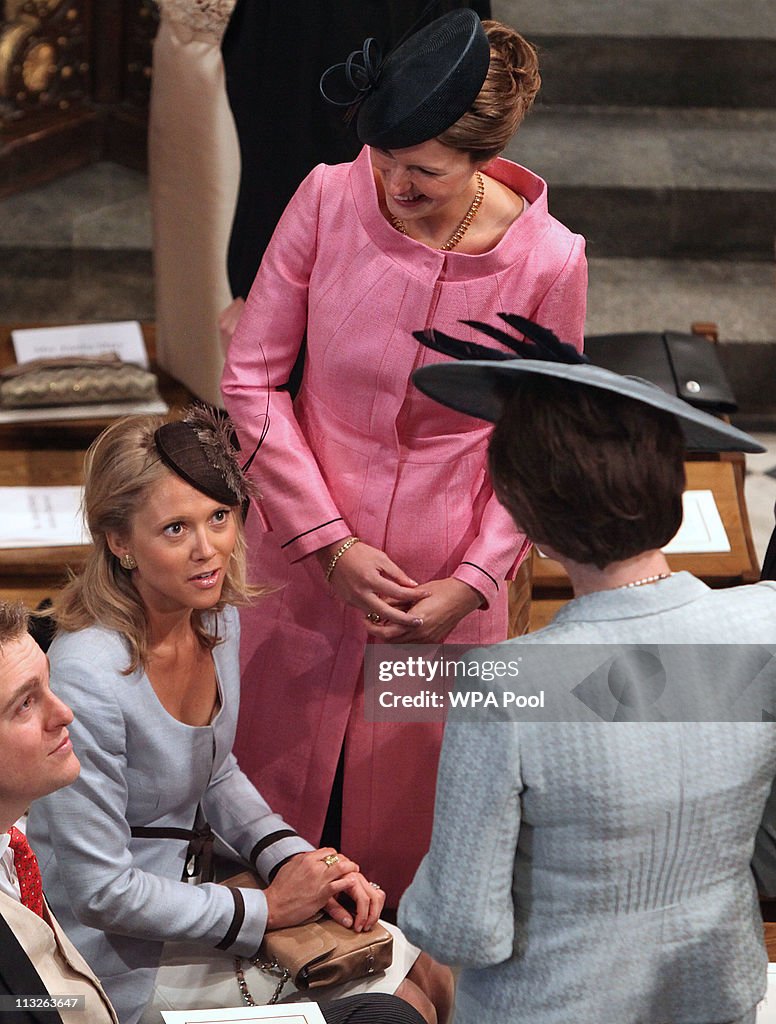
215, 432
542, 343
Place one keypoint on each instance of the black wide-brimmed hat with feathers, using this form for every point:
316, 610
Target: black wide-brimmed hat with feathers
479, 381
420, 89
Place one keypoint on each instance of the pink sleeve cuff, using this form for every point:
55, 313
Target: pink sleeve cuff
315, 537
484, 580
481, 580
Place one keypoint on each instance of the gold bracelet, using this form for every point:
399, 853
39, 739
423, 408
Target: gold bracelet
339, 553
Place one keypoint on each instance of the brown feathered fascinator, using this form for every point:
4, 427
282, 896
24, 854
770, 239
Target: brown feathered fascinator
199, 449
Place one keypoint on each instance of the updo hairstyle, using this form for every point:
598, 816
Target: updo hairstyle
510, 87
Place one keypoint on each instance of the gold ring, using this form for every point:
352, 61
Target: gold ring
373, 617
330, 859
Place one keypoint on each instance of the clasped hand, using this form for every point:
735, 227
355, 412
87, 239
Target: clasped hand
307, 884
408, 612
440, 608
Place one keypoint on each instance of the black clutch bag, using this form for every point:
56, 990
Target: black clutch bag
681, 364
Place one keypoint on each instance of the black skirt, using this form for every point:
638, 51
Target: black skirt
274, 55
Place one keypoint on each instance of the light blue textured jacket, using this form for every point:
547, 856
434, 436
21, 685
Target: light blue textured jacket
599, 872
119, 897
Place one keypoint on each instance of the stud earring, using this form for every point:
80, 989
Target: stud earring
127, 561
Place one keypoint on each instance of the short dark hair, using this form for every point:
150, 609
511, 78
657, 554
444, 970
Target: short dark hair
14, 619
595, 475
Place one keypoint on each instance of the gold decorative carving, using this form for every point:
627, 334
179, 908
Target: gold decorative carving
84, 98
43, 58
39, 66
12, 42
140, 31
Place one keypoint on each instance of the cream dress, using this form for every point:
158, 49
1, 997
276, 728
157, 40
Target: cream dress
194, 167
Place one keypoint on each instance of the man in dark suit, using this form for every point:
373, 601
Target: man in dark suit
37, 961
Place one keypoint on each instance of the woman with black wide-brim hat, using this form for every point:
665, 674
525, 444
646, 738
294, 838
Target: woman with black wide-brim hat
377, 520
598, 858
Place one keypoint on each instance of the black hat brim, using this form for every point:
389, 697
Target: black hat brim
477, 387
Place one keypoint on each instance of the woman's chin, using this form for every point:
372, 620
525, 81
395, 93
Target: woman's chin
408, 208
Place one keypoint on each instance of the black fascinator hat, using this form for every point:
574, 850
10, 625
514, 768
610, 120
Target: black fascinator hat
425, 85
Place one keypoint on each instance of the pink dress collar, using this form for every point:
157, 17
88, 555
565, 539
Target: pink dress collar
417, 258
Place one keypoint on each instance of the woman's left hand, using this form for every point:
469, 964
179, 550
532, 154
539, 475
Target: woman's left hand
307, 883
444, 604
367, 903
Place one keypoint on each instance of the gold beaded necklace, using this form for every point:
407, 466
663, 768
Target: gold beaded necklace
645, 581
463, 227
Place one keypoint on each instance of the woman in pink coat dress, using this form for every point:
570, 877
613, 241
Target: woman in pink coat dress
377, 521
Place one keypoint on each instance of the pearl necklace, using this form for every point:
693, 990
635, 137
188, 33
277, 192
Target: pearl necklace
643, 582
463, 227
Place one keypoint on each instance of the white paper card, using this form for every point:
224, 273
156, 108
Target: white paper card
766, 1011
701, 531
41, 517
124, 338
296, 1013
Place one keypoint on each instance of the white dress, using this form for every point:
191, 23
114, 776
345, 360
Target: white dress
194, 167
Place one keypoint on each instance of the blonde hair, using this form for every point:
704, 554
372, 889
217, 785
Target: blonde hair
120, 468
510, 88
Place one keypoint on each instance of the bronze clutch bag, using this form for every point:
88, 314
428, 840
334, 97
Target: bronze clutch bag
317, 953
71, 381
320, 953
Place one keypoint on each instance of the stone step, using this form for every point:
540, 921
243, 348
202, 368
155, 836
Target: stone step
641, 70
686, 19
78, 249
697, 53
63, 285
658, 182
628, 295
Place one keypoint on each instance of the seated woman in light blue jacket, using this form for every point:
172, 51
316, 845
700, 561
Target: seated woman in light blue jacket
147, 657
595, 869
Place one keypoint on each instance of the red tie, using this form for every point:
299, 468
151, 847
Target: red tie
27, 871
